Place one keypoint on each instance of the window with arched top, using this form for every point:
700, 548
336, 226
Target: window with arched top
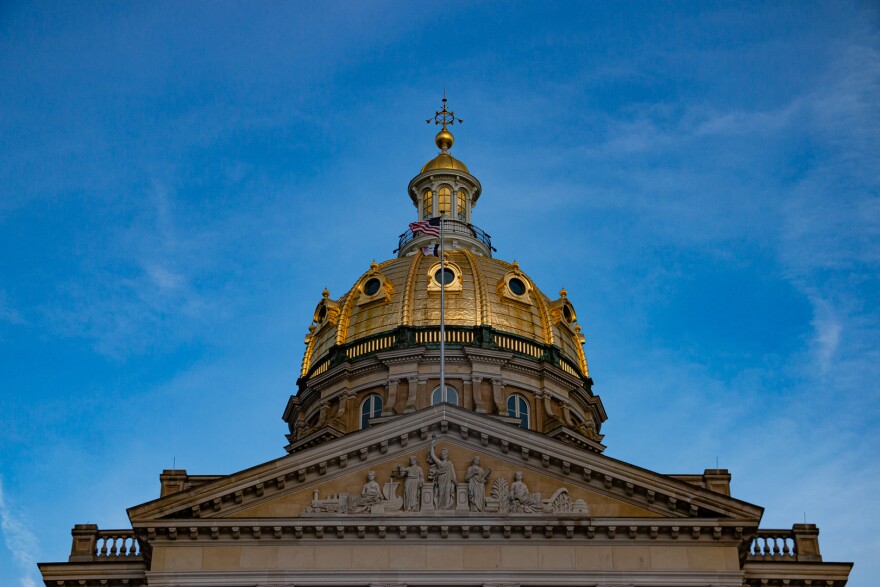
518, 407
370, 408
461, 206
444, 200
427, 204
449, 396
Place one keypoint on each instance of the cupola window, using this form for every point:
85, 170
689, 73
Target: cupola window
518, 407
371, 408
445, 199
428, 204
461, 206
449, 396
568, 313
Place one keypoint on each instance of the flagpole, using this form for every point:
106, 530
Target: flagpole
442, 318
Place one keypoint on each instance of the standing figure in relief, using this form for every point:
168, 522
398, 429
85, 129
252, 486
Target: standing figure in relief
476, 480
371, 494
414, 479
521, 501
443, 473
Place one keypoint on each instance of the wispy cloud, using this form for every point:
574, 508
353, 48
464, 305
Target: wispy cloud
20, 541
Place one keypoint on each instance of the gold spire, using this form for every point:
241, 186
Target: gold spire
444, 139
445, 117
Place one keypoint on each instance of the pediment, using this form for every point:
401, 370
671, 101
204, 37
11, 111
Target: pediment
557, 479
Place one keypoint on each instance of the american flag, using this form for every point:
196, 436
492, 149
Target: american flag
430, 226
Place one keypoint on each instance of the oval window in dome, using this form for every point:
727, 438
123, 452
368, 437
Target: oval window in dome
322, 313
516, 286
444, 276
371, 287
568, 313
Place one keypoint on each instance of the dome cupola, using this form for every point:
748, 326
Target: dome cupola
508, 351
445, 187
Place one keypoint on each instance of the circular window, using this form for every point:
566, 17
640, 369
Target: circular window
568, 313
444, 276
322, 313
371, 287
517, 286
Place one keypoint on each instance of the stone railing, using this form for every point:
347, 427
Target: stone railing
799, 544
456, 337
93, 545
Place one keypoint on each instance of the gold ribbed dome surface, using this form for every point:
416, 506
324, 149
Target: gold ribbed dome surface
483, 293
445, 161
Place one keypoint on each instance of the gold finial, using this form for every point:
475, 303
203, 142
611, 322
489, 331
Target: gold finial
374, 265
445, 117
562, 293
515, 265
326, 293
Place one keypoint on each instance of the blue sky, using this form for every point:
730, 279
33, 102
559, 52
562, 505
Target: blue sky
178, 183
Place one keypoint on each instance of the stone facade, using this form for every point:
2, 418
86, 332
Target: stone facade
497, 480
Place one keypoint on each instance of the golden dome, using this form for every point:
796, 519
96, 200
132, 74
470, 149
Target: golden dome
484, 292
444, 161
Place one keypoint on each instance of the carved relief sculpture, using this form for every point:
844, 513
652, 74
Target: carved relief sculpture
442, 473
520, 498
370, 495
414, 480
372, 499
515, 498
476, 479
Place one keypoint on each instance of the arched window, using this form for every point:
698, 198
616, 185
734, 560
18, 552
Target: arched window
427, 204
450, 397
444, 199
518, 407
371, 408
461, 206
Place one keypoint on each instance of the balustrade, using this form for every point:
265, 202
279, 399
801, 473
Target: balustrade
93, 545
773, 545
456, 336
116, 543
800, 544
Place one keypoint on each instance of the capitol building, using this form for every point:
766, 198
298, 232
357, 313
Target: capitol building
445, 431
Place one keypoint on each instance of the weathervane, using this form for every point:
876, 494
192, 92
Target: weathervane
444, 116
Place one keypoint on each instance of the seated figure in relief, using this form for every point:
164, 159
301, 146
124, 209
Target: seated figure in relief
371, 494
521, 501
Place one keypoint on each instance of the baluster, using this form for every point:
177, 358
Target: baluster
104, 549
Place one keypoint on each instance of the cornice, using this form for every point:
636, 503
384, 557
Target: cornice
521, 528
658, 493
